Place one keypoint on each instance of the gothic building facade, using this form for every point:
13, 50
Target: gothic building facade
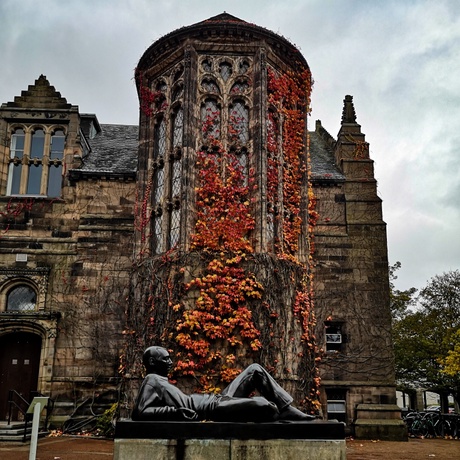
113, 236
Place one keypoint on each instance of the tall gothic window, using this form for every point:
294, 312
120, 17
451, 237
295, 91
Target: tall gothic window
168, 134
159, 182
175, 176
35, 165
274, 181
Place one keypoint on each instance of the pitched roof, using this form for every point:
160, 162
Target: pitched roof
323, 166
113, 150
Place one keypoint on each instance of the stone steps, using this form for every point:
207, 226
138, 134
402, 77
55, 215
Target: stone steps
14, 431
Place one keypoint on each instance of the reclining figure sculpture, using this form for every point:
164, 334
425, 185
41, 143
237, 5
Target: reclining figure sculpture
158, 399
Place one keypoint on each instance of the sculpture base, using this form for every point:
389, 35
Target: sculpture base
229, 441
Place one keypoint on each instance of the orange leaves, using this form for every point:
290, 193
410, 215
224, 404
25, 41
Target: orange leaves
220, 314
223, 207
290, 94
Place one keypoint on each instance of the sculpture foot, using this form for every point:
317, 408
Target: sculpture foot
293, 414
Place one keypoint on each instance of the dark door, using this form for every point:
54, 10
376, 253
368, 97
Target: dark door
19, 365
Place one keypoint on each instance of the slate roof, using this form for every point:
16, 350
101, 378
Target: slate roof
323, 167
113, 150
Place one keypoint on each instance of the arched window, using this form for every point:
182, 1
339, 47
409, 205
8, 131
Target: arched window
225, 70
21, 298
210, 86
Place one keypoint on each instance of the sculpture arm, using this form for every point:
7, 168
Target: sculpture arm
167, 413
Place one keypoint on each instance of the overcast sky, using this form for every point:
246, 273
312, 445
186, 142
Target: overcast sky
399, 59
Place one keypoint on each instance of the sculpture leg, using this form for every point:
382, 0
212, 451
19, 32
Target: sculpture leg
255, 377
257, 409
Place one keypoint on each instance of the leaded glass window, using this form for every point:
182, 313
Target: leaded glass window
37, 171
238, 128
210, 119
178, 128
225, 70
168, 138
210, 86
239, 87
21, 298
207, 65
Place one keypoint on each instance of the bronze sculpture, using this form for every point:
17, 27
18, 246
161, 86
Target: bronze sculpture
158, 399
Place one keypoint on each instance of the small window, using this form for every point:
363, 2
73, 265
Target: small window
336, 404
225, 70
21, 298
334, 337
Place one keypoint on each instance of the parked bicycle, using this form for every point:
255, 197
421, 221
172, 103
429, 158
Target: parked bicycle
432, 425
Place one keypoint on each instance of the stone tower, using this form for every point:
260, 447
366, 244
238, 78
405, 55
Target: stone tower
222, 223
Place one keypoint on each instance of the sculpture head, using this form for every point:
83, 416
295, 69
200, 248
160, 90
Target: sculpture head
157, 361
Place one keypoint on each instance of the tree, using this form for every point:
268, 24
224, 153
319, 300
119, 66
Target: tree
451, 362
400, 301
426, 339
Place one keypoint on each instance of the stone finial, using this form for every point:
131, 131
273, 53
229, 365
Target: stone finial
348, 113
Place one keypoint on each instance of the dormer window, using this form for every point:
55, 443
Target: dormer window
35, 163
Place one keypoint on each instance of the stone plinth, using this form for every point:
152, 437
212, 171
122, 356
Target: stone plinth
380, 421
229, 441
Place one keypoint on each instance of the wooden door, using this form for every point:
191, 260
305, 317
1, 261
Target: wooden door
19, 366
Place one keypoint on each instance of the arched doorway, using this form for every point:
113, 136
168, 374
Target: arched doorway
19, 366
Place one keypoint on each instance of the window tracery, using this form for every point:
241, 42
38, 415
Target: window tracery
225, 87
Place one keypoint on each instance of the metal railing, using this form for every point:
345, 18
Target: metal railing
18, 402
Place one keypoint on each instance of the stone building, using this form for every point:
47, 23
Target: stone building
91, 213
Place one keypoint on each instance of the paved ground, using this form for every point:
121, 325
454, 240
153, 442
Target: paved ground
414, 449
82, 448
60, 448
